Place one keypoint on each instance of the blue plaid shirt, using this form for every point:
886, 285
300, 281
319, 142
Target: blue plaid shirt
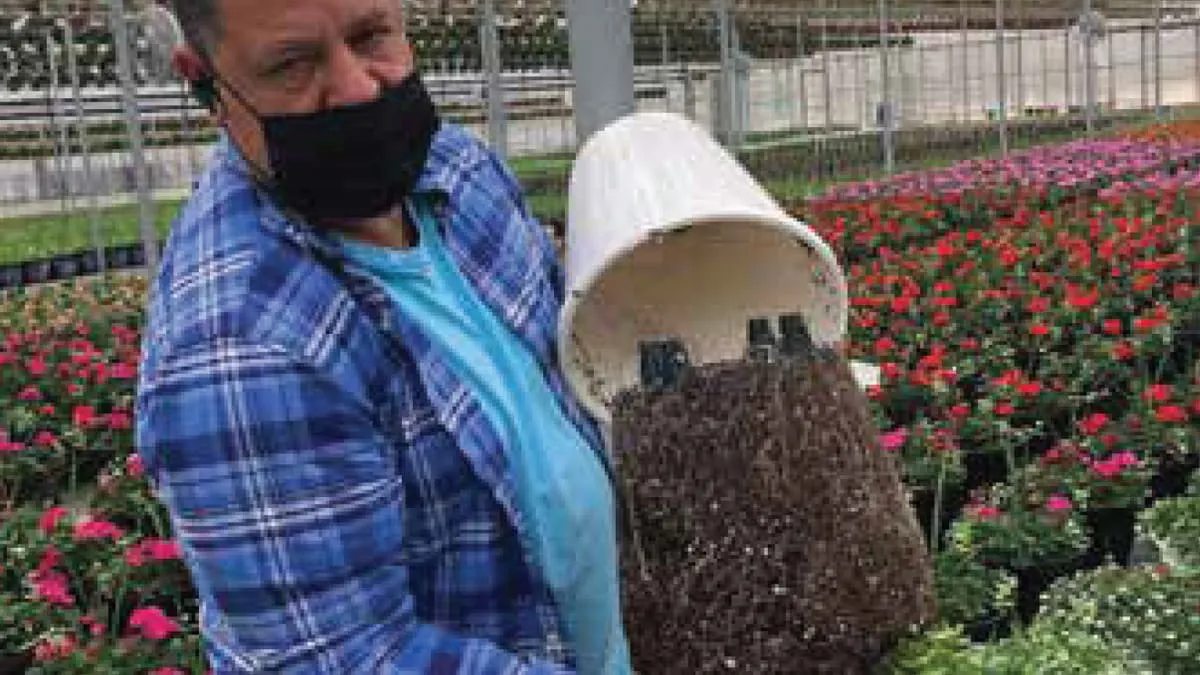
341, 501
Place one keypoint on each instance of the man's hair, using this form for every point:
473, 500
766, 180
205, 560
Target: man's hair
200, 23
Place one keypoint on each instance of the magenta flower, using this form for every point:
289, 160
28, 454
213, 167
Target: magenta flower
1058, 503
894, 440
152, 623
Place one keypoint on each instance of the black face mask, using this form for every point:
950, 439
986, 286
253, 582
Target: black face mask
354, 161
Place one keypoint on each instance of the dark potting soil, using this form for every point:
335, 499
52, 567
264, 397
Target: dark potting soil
770, 534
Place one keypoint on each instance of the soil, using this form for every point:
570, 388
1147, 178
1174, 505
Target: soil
769, 533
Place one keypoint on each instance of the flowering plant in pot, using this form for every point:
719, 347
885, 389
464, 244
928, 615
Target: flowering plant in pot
1149, 612
933, 471
1173, 525
973, 595
1038, 545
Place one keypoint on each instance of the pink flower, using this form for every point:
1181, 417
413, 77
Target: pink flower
1004, 408
133, 465
985, 512
51, 586
1058, 503
119, 420
167, 671
83, 415
152, 623
30, 393
894, 440
97, 529
45, 438
123, 371
1107, 468
50, 518
10, 446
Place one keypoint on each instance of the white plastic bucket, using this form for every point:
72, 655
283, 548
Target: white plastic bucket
668, 236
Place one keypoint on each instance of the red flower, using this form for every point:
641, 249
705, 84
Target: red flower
36, 366
123, 371
97, 529
152, 623
1123, 351
983, 512
1030, 388
901, 304
1004, 408
1092, 424
884, 345
960, 411
1112, 327
30, 393
1038, 305
1039, 329
1083, 300
1171, 413
50, 518
84, 416
1157, 393
45, 438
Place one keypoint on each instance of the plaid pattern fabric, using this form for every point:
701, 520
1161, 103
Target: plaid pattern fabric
341, 501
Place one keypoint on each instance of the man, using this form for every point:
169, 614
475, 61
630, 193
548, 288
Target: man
349, 398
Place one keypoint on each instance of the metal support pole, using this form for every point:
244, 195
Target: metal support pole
1089, 69
489, 43
85, 152
1196, 57
133, 128
1068, 64
601, 45
801, 45
1001, 85
826, 76
1020, 42
1145, 75
725, 85
1158, 65
1112, 69
966, 62
889, 114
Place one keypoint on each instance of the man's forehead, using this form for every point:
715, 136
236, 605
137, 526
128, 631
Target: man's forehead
264, 20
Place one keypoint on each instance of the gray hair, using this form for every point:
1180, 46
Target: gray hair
200, 22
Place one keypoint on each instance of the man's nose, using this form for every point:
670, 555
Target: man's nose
350, 79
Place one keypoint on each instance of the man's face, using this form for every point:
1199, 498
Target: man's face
298, 56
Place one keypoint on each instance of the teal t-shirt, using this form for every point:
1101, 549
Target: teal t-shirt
562, 488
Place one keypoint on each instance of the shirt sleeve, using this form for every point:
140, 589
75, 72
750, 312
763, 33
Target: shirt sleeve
290, 519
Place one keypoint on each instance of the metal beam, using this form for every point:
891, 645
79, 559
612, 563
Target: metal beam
601, 47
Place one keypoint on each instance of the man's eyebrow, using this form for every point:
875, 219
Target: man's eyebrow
373, 18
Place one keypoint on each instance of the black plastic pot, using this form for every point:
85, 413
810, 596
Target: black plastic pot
36, 271
89, 262
988, 628
954, 497
984, 468
117, 257
1173, 475
11, 276
15, 664
65, 266
137, 255
1033, 581
1112, 535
